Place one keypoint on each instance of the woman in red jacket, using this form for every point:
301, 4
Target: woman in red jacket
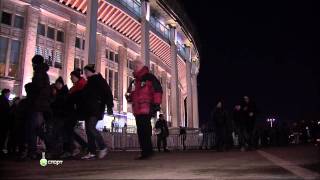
145, 94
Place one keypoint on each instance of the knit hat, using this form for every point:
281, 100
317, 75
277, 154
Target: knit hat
90, 67
76, 73
37, 59
60, 80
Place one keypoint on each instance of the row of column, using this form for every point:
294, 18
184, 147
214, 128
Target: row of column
94, 53
192, 94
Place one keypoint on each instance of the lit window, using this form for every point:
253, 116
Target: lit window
6, 18
18, 22
3, 52
39, 50
48, 54
58, 60
41, 29
14, 58
50, 32
60, 36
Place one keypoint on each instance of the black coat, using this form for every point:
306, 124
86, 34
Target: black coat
238, 118
96, 95
162, 124
59, 105
40, 89
4, 110
220, 118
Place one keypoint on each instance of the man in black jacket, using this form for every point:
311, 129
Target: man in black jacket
4, 114
95, 95
162, 132
40, 99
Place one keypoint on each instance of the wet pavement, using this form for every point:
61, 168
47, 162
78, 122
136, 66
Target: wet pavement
265, 164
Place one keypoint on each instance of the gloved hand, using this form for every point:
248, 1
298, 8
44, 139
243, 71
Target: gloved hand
110, 111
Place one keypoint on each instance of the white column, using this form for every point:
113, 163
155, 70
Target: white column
91, 30
29, 46
164, 95
176, 119
195, 100
68, 64
122, 78
101, 55
145, 12
189, 89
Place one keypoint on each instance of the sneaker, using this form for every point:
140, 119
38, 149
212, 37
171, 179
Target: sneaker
102, 153
76, 152
88, 156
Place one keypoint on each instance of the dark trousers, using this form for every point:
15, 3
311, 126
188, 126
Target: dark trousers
205, 140
34, 128
93, 135
70, 136
161, 139
221, 134
4, 129
144, 130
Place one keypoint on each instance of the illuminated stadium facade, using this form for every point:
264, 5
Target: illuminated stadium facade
112, 33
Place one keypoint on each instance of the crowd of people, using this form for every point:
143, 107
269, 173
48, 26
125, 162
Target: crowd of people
240, 128
50, 112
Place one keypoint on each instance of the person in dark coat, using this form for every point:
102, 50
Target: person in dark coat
74, 115
40, 110
162, 133
240, 126
96, 95
220, 120
183, 136
249, 114
145, 94
12, 143
5, 115
55, 131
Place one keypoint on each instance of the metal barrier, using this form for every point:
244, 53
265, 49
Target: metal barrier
129, 141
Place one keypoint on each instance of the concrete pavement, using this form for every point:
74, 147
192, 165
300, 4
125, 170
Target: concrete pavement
175, 165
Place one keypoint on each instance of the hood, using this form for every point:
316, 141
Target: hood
41, 67
141, 73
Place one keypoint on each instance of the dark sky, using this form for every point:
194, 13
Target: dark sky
268, 50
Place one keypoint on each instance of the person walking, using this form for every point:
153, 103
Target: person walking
145, 94
40, 110
5, 116
183, 137
240, 126
249, 113
220, 119
75, 114
96, 95
162, 133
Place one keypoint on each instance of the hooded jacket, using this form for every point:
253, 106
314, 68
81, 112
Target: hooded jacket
145, 92
96, 95
40, 89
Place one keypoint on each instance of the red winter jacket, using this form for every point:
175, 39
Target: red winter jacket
78, 86
144, 92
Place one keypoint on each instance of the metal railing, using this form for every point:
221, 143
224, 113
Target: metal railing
133, 6
182, 50
161, 28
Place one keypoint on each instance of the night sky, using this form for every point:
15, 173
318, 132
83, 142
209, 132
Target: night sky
268, 50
